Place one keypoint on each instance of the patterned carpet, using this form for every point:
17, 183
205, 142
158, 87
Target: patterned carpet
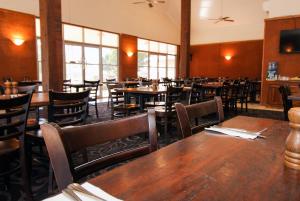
12, 191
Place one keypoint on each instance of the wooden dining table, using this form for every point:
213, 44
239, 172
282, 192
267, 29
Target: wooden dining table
78, 86
210, 166
144, 92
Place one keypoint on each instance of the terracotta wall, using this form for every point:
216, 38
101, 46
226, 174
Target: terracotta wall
209, 60
289, 64
128, 65
17, 61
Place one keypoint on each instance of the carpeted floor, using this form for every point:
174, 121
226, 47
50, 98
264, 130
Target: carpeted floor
12, 191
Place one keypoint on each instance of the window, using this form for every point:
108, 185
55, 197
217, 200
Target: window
90, 54
156, 60
39, 48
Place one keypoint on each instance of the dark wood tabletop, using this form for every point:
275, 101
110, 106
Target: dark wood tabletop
147, 90
37, 100
209, 166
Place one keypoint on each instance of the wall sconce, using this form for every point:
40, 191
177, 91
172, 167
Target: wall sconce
228, 57
18, 41
129, 54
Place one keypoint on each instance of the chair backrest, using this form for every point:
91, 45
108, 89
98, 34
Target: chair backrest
67, 109
63, 142
111, 80
14, 116
173, 95
66, 88
203, 114
285, 91
196, 94
27, 89
93, 86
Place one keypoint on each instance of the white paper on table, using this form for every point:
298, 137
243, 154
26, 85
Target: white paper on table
235, 132
93, 189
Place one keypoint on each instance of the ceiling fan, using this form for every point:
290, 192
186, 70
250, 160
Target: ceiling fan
222, 18
149, 2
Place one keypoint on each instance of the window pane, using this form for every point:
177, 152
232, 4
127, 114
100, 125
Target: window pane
91, 55
37, 27
162, 72
171, 61
72, 33
110, 39
153, 46
163, 48
92, 72
92, 36
73, 54
74, 72
143, 72
162, 62
153, 73
40, 71
172, 49
153, 60
109, 56
143, 45
39, 50
110, 72
143, 59
171, 73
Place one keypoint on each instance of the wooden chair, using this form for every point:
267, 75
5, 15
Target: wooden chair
285, 91
93, 86
32, 123
114, 96
62, 142
243, 94
67, 109
118, 106
13, 120
196, 94
165, 114
194, 118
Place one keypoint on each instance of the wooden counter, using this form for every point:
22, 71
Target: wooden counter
270, 95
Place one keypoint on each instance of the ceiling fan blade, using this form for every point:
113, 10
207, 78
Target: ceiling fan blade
229, 20
150, 5
159, 1
213, 19
218, 21
225, 18
138, 2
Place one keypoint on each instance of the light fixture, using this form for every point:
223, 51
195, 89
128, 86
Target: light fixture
129, 54
228, 57
18, 41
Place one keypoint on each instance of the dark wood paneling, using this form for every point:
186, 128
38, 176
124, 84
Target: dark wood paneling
17, 61
289, 64
128, 65
209, 60
185, 38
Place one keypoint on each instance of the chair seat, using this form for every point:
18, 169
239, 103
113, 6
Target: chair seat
9, 146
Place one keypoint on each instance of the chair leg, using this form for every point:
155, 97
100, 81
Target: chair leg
96, 107
25, 171
50, 179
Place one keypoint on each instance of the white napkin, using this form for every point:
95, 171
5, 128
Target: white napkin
235, 132
93, 189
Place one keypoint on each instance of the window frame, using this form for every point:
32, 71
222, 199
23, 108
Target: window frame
158, 53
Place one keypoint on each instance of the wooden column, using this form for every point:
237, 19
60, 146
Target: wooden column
52, 44
184, 63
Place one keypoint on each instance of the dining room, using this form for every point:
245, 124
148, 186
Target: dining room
149, 100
